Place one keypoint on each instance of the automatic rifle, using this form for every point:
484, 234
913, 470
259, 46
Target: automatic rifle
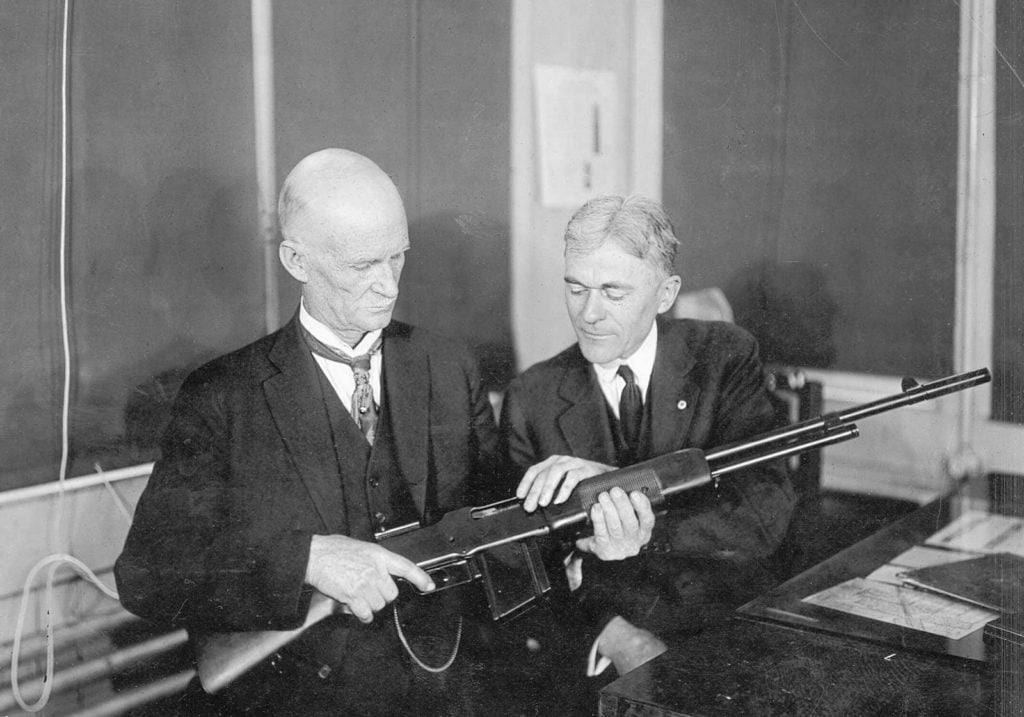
494, 544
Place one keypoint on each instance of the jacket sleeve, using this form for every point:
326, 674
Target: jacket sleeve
746, 517
199, 553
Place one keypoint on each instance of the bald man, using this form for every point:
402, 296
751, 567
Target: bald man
282, 461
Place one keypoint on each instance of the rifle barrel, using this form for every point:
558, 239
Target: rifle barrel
834, 434
924, 392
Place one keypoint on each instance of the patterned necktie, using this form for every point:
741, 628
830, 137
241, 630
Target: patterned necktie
363, 408
631, 410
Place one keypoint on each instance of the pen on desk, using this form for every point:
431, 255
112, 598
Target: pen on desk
786, 613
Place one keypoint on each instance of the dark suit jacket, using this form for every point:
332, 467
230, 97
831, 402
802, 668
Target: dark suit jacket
708, 390
249, 473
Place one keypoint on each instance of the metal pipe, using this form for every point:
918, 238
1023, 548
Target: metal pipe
101, 667
35, 645
266, 168
139, 696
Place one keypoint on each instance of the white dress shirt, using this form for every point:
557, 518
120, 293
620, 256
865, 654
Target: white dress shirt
641, 363
339, 374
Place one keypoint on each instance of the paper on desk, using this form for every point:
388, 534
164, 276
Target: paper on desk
905, 607
918, 556
983, 533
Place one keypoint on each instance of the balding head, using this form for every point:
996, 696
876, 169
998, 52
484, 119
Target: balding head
335, 185
344, 237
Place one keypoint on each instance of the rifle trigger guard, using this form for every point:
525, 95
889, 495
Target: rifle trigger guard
452, 574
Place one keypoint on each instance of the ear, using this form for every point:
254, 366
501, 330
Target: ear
667, 293
293, 258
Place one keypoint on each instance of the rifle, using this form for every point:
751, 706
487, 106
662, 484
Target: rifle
495, 544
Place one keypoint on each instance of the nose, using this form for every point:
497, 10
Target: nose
593, 308
386, 281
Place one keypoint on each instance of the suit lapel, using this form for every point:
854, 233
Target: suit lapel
406, 389
306, 431
674, 398
586, 437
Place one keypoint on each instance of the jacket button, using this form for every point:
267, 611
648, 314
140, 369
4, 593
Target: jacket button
323, 672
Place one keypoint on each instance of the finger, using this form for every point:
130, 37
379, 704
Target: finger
537, 475
644, 512
569, 483
389, 591
597, 517
532, 473
404, 568
523, 489
361, 610
625, 512
375, 600
556, 476
587, 545
612, 521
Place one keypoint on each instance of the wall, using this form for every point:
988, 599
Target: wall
623, 38
811, 165
811, 169
164, 260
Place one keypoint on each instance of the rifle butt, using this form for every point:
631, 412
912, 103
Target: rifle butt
223, 657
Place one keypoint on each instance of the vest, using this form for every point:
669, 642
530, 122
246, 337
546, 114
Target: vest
376, 496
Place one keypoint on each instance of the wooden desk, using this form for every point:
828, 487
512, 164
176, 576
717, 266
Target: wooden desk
749, 668
780, 656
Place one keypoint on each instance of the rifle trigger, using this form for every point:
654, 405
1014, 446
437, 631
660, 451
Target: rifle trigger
451, 574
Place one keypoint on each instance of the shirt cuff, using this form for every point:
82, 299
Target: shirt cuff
596, 663
573, 570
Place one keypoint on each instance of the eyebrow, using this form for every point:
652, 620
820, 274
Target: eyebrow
610, 285
370, 259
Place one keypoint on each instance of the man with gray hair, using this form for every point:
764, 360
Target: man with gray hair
638, 385
284, 459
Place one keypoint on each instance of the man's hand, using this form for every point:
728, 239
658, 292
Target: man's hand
358, 574
628, 646
622, 525
538, 485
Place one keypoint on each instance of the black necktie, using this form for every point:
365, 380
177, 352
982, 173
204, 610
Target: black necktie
631, 410
363, 409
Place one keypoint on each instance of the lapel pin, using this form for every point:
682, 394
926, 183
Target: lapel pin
681, 405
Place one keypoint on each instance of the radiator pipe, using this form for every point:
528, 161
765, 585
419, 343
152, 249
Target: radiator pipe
139, 696
101, 667
34, 646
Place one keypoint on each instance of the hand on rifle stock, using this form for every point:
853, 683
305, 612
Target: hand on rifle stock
622, 523
562, 473
359, 574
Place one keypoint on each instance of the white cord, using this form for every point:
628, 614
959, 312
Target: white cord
65, 332
57, 539
54, 561
415, 658
118, 500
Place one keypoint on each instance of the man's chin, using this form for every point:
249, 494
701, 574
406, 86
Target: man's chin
597, 352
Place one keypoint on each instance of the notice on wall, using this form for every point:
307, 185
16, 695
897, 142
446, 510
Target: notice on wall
577, 114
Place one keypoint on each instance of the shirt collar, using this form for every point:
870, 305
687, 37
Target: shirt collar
322, 332
641, 362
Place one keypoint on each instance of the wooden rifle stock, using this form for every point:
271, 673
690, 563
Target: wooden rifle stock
468, 532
